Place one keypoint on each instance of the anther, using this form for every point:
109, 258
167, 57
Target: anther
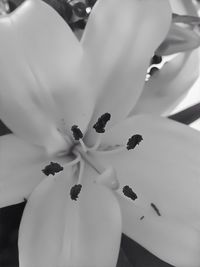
100, 125
77, 134
155, 209
75, 191
128, 192
133, 141
52, 169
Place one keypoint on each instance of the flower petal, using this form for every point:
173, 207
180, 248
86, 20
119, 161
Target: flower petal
20, 165
164, 237
57, 231
167, 87
163, 170
179, 39
26, 105
183, 7
119, 55
57, 64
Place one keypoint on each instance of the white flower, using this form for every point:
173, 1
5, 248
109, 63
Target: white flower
49, 83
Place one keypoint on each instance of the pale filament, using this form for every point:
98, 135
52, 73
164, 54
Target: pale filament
118, 149
96, 145
96, 165
75, 161
81, 171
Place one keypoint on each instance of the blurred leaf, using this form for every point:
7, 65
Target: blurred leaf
123, 260
138, 256
188, 115
4, 129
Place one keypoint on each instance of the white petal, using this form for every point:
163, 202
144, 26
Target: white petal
163, 170
161, 233
20, 169
167, 87
179, 39
57, 231
183, 7
118, 54
21, 166
26, 104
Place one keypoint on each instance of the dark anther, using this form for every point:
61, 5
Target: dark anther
141, 218
76, 132
100, 125
156, 59
52, 168
156, 209
128, 192
75, 191
153, 70
133, 141
80, 9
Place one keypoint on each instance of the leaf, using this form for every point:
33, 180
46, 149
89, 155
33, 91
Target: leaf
138, 256
187, 115
3, 129
123, 260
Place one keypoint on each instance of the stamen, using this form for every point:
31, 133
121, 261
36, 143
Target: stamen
128, 192
133, 141
111, 150
90, 160
131, 144
81, 170
100, 125
75, 191
77, 134
156, 209
75, 161
96, 145
84, 147
52, 169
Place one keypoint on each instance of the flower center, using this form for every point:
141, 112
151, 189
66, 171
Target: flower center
83, 154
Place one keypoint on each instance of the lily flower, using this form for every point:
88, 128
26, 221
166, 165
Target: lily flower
74, 152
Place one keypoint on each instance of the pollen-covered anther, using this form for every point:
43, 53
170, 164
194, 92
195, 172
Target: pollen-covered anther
133, 141
75, 191
128, 192
77, 134
100, 125
52, 169
155, 209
